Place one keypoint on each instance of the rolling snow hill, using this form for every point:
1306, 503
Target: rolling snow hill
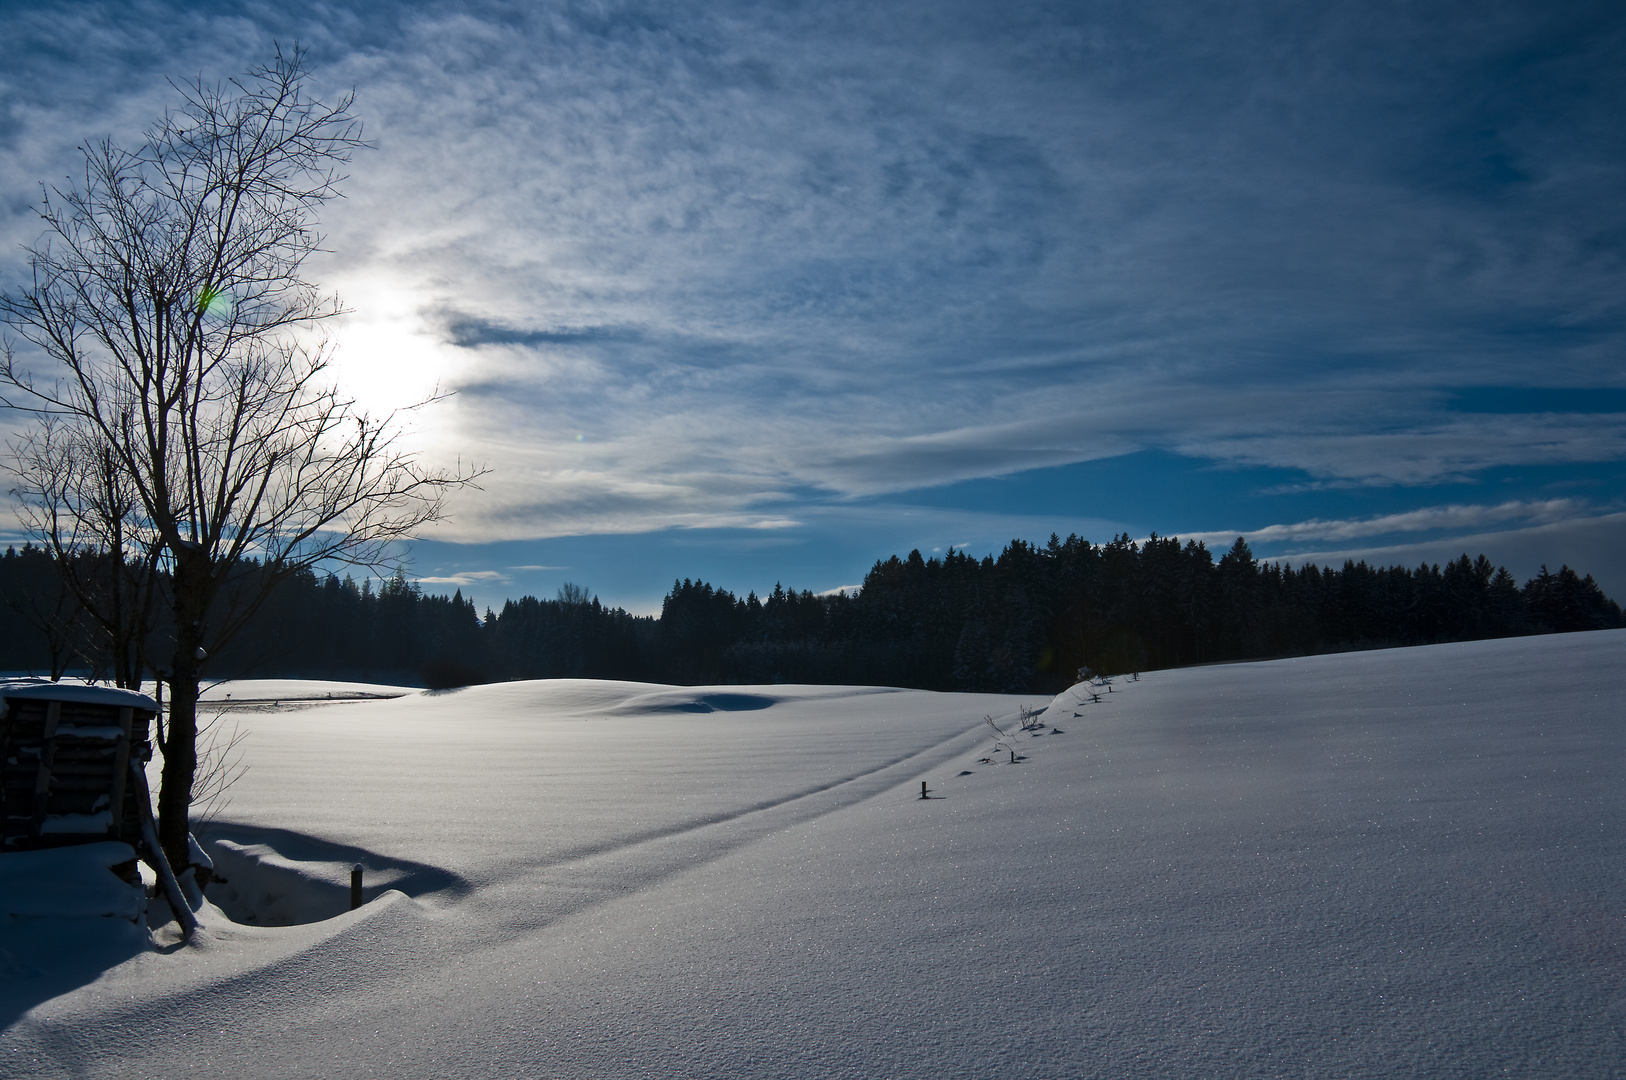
1406, 862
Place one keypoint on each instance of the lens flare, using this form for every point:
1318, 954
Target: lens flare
216, 303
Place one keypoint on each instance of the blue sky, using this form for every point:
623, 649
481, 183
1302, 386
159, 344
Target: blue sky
762, 293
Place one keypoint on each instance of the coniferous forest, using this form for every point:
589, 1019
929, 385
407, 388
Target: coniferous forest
1026, 621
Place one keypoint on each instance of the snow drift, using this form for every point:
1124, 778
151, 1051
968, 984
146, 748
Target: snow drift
1400, 862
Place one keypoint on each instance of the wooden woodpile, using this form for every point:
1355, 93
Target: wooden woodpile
72, 771
65, 757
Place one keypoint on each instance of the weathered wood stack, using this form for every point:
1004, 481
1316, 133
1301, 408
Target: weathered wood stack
65, 757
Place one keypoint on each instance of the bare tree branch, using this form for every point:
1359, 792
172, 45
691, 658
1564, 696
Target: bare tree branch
186, 426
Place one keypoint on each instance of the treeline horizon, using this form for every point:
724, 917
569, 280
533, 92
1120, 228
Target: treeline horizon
1027, 621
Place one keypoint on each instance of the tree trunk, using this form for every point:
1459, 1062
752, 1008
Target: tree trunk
180, 758
190, 599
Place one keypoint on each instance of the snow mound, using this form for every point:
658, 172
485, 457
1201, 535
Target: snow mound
705, 703
273, 877
557, 698
1390, 863
552, 695
701, 699
262, 690
69, 883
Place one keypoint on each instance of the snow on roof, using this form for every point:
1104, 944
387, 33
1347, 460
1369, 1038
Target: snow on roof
78, 693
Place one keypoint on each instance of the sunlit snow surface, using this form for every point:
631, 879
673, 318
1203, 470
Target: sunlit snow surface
1407, 862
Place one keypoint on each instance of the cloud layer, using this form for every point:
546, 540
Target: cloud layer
720, 265
1427, 519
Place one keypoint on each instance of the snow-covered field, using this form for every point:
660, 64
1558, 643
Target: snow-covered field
1399, 863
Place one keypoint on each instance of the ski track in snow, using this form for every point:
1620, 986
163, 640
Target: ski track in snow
1390, 863
524, 898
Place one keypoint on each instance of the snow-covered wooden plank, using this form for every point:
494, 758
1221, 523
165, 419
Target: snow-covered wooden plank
121, 765
87, 731
77, 824
42, 777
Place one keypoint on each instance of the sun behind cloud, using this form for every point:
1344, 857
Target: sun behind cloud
386, 354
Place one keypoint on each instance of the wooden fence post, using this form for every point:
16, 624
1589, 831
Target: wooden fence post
156, 859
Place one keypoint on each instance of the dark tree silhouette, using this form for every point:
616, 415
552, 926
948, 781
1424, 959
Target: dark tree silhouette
187, 427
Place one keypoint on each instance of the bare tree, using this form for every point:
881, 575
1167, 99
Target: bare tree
50, 607
177, 337
73, 496
220, 765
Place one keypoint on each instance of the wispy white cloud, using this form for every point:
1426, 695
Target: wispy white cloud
1424, 451
466, 577
816, 254
1590, 544
1425, 519
692, 265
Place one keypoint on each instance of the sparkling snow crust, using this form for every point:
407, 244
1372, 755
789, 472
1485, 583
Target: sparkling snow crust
1405, 862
